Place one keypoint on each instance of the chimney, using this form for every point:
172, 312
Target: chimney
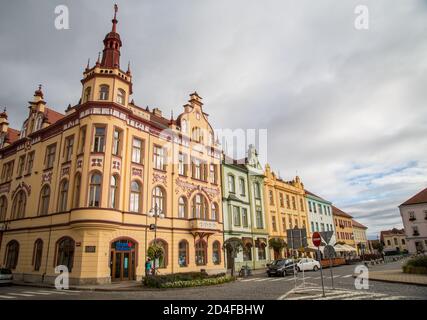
157, 112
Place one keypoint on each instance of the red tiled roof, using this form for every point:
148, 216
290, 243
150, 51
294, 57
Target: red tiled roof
53, 116
359, 225
315, 195
393, 231
338, 212
12, 135
420, 197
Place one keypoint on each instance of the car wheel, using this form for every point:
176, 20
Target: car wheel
315, 268
269, 275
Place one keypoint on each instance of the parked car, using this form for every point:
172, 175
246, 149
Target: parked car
6, 276
281, 267
308, 264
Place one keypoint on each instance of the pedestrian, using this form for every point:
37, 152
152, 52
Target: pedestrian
148, 267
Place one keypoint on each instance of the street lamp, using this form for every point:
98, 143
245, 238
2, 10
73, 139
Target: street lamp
157, 213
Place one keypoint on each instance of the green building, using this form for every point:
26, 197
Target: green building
243, 209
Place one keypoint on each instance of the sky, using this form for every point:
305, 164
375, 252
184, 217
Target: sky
344, 108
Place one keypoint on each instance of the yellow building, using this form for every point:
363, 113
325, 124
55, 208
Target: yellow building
343, 227
394, 240
80, 189
285, 207
360, 238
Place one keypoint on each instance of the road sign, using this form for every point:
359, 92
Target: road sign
326, 236
317, 240
329, 252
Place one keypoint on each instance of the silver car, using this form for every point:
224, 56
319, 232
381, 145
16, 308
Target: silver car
6, 276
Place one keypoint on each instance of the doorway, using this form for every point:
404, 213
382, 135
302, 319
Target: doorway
122, 260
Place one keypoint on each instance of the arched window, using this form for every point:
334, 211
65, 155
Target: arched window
214, 212
39, 122
65, 253
3, 208
104, 92
201, 253
95, 190
159, 198
114, 192
63, 196
200, 207
121, 95
12, 254
261, 252
182, 208
87, 94
37, 254
183, 253
196, 135
247, 252
216, 252
184, 126
135, 197
19, 205
44, 201
161, 262
77, 187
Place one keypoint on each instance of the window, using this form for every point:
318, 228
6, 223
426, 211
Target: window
415, 231
201, 249
309, 207
403, 241
3, 208
117, 137
65, 253
82, 141
104, 92
231, 184
159, 199
184, 126
296, 223
288, 202
200, 207
39, 122
212, 173
121, 95
182, 208
281, 200
197, 169
158, 158
388, 242
95, 190
183, 253
63, 196
259, 220
273, 223
395, 241
314, 208
137, 151
257, 190
30, 162
99, 140
322, 227
19, 205
284, 223
242, 187
294, 204
69, 146
196, 135
412, 216
44, 201
236, 217
135, 197
271, 197
312, 227
261, 252
247, 252
50, 156
87, 94
181, 164
77, 186
216, 253
301, 201
37, 254
245, 222
320, 208
12, 253
214, 212
21, 165
7, 172
114, 192
317, 226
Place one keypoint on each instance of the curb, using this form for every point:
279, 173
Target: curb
394, 281
46, 286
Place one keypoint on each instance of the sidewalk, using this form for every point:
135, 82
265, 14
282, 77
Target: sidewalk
119, 286
397, 276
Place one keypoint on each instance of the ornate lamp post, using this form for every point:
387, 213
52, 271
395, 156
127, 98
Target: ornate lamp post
157, 213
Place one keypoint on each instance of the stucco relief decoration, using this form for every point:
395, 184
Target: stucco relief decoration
79, 163
160, 178
5, 188
117, 165
47, 177
20, 186
137, 172
96, 162
27, 146
65, 171
212, 193
186, 187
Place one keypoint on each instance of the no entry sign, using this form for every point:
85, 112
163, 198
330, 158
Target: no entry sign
317, 240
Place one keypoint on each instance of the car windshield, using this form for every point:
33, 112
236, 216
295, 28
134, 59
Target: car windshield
278, 262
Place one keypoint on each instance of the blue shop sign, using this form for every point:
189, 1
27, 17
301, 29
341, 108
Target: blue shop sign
123, 246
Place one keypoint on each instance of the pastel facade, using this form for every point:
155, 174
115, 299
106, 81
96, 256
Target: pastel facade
414, 217
360, 238
344, 227
243, 208
394, 240
76, 189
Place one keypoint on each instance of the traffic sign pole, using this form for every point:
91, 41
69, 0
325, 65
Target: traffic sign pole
317, 240
321, 271
332, 275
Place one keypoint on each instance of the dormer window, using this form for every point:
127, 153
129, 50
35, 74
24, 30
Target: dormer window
121, 94
197, 135
87, 94
104, 92
39, 123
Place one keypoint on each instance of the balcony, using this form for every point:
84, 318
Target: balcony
412, 219
206, 226
416, 234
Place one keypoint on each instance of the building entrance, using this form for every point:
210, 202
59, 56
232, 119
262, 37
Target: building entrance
122, 260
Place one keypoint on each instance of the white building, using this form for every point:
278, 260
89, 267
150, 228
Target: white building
414, 217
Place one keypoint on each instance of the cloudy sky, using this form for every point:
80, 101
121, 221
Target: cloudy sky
345, 108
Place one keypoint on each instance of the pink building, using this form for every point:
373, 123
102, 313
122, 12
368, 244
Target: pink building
414, 217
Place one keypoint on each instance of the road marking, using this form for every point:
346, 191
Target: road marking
52, 292
21, 294
347, 276
7, 297
279, 279
261, 279
40, 293
247, 280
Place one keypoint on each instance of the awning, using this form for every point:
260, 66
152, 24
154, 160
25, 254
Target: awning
349, 248
344, 248
247, 241
314, 249
260, 241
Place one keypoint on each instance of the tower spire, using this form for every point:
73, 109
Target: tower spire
112, 44
114, 21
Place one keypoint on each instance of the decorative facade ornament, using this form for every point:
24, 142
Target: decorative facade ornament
65, 171
157, 177
47, 177
137, 172
116, 165
20, 186
5, 188
96, 162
